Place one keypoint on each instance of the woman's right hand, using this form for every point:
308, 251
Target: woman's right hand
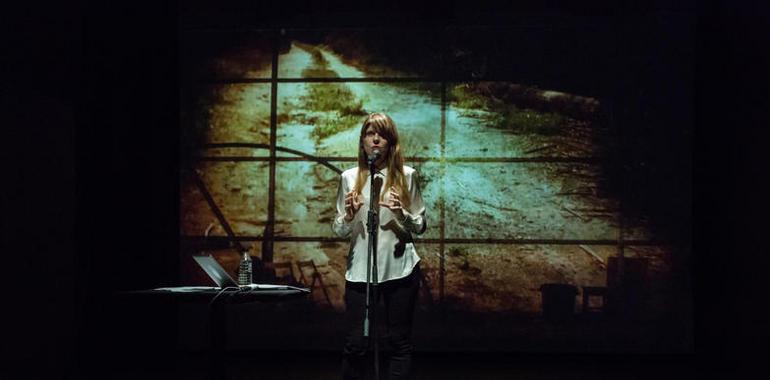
352, 204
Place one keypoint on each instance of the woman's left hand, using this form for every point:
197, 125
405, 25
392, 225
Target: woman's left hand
394, 204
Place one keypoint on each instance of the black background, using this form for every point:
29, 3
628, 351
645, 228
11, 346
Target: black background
90, 163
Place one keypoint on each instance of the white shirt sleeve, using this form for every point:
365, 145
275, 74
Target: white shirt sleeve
340, 226
414, 218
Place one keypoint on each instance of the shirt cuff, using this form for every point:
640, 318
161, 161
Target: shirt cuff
341, 226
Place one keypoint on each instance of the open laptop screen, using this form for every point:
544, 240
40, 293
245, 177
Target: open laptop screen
215, 271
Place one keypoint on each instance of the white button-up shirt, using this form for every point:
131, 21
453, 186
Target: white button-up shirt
396, 256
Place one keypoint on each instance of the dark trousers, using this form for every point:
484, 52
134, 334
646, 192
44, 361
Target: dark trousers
399, 297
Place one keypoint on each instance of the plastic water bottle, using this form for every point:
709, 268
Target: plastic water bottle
244, 269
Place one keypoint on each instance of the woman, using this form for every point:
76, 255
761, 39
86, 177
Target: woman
401, 213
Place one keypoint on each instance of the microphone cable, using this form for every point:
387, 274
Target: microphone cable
222, 291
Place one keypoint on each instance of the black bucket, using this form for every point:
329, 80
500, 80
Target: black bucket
558, 301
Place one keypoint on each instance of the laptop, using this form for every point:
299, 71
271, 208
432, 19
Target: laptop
223, 279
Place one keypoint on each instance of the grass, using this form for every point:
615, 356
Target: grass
507, 116
341, 106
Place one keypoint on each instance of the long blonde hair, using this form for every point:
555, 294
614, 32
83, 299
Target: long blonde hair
386, 128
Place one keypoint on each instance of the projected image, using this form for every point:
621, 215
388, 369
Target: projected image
517, 179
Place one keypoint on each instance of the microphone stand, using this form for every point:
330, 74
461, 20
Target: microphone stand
373, 223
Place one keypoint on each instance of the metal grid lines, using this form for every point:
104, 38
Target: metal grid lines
268, 237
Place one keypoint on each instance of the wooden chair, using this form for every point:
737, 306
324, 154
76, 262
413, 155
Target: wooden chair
315, 276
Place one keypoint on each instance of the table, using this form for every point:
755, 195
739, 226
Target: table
218, 300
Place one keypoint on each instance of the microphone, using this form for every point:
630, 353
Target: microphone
373, 157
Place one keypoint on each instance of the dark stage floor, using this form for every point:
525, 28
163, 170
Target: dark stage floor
325, 365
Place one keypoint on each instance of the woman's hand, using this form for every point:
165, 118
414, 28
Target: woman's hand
394, 205
352, 204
